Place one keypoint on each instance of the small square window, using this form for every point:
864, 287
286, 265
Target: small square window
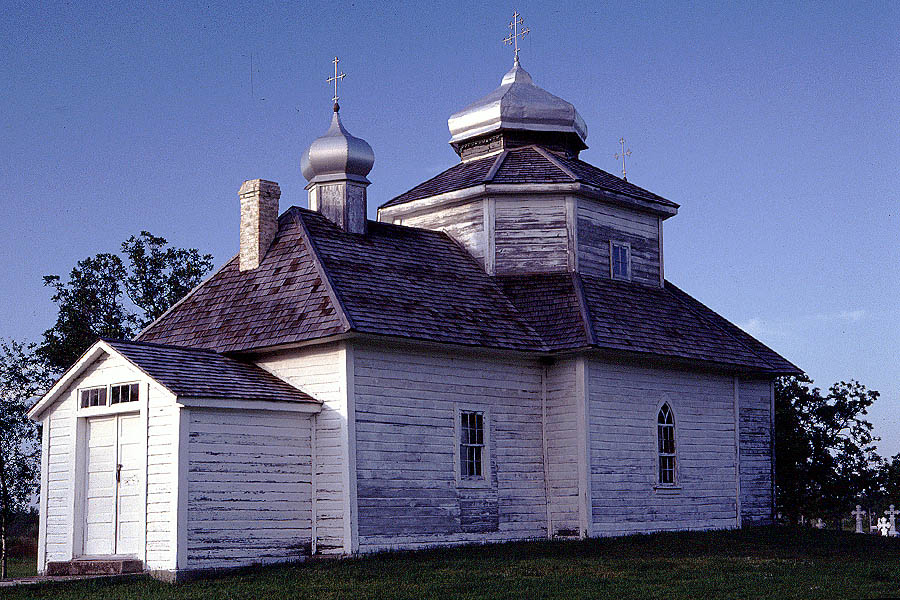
620, 260
93, 397
127, 392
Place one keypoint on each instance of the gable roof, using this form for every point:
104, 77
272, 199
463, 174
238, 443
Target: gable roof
188, 373
286, 299
318, 281
200, 373
526, 164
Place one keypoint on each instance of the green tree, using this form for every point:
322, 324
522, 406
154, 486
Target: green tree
22, 376
889, 480
159, 276
824, 448
114, 296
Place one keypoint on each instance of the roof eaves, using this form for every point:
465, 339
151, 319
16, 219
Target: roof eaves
771, 367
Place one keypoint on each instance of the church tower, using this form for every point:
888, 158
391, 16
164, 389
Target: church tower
522, 202
336, 165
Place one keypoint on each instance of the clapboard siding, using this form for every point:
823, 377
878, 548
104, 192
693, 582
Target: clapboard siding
531, 235
561, 432
320, 372
623, 405
756, 451
162, 459
60, 484
600, 223
406, 404
249, 487
463, 222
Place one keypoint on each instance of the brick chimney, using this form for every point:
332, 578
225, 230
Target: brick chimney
259, 220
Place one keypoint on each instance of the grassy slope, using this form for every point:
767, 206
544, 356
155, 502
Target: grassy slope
761, 563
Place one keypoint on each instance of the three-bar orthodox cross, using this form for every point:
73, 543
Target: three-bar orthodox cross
336, 78
622, 155
513, 38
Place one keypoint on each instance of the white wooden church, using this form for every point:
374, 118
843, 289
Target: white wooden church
498, 357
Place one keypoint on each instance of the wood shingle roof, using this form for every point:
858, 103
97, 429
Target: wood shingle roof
199, 373
317, 281
526, 164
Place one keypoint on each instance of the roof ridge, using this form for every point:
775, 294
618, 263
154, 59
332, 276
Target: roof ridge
158, 345
344, 315
188, 295
585, 164
543, 152
584, 308
693, 309
498, 162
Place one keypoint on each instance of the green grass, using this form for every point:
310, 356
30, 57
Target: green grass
22, 567
755, 563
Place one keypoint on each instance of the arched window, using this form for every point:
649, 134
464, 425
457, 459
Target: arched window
665, 431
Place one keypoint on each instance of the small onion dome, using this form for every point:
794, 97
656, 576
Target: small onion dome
337, 155
518, 105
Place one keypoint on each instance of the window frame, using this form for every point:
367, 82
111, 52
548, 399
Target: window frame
129, 384
485, 480
612, 260
657, 428
92, 388
108, 408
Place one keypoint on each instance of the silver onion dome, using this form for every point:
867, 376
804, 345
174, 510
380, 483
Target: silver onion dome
337, 155
517, 105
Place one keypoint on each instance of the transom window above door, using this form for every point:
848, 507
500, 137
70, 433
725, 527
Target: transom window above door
93, 397
125, 392
117, 393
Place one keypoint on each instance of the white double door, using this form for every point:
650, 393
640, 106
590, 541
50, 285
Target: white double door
113, 501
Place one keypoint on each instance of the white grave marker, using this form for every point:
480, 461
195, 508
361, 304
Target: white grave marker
892, 513
858, 513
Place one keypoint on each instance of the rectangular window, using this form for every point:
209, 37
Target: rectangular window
93, 397
126, 392
620, 261
471, 445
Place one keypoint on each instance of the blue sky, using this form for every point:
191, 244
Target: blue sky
776, 126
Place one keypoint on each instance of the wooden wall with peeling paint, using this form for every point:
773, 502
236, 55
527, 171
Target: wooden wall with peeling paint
249, 487
599, 223
320, 371
623, 405
561, 433
757, 454
531, 235
406, 403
